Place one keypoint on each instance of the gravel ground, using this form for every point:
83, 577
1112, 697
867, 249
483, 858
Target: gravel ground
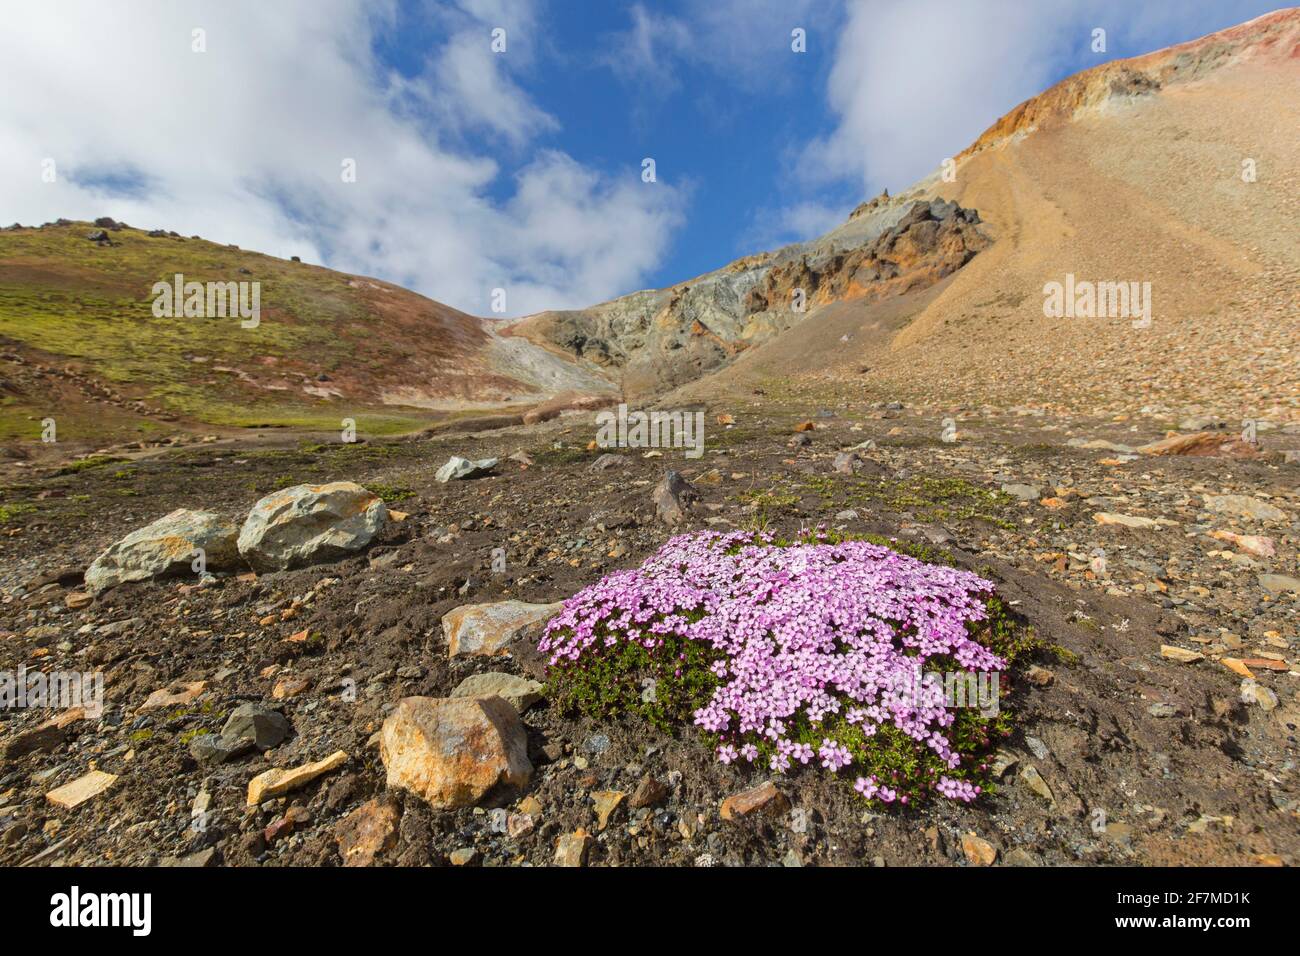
1145, 759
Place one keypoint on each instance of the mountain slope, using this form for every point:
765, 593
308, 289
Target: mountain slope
1129, 172
655, 340
83, 345
1133, 172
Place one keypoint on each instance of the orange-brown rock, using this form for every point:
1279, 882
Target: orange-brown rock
366, 832
765, 798
452, 751
571, 848
978, 851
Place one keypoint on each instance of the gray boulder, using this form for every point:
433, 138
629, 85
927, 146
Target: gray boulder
249, 726
457, 467
673, 498
168, 546
307, 524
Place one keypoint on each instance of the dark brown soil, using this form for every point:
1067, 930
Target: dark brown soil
1214, 782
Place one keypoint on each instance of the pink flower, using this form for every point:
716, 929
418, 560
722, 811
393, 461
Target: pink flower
796, 635
834, 755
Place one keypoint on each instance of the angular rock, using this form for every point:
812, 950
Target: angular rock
457, 467
1253, 692
1039, 676
765, 798
650, 792
1037, 748
290, 686
1279, 583
366, 832
1251, 544
451, 752
489, 629
1032, 779
176, 695
168, 546
1202, 445
277, 782
1002, 762
1180, 654
1237, 666
307, 524
673, 498
1021, 857
1127, 521
203, 858
606, 802
1243, 506
82, 789
43, 738
520, 692
1100, 444
76, 600
249, 726
847, 463
978, 851
571, 848
1022, 492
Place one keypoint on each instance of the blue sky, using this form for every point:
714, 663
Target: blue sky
522, 170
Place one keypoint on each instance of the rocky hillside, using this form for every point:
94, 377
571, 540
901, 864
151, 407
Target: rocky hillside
82, 343
332, 653
658, 339
1176, 169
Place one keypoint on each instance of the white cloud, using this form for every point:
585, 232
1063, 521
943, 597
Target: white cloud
743, 41
646, 49
771, 227
244, 144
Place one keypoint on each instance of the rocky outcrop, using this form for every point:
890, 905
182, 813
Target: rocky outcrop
658, 339
931, 241
1273, 35
307, 524
171, 545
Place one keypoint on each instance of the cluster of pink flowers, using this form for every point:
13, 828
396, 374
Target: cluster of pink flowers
806, 631
957, 789
872, 789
